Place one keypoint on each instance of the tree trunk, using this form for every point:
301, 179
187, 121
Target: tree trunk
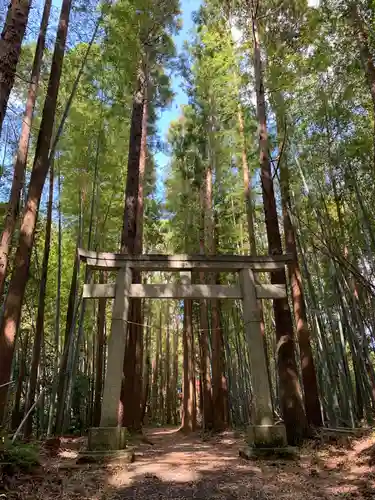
247, 185
290, 390
189, 394
224, 380
146, 390
205, 373
68, 342
10, 49
155, 374
17, 413
40, 424
58, 312
161, 384
99, 369
218, 375
23, 147
146, 374
250, 224
168, 371
13, 303
175, 372
367, 57
39, 329
310, 383
131, 395
87, 278
69, 332
129, 229
5, 152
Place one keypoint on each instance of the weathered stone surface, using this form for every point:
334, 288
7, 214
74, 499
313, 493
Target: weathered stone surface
267, 436
116, 350
107, 438
344, 431
262, 412
255, 453
126, 456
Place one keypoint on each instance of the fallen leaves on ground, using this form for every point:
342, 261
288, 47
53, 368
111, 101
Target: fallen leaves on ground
188, 467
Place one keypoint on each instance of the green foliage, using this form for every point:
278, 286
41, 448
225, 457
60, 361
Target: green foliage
320, 114
208, 133
90, 164
18, 456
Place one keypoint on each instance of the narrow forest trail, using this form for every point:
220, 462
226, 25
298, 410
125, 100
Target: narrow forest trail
187, 467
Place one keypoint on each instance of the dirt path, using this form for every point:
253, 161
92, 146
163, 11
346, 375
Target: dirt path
180, 467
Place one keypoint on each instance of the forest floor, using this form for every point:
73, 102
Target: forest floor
180, 467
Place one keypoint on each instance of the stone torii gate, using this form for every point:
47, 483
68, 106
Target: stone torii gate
263, 432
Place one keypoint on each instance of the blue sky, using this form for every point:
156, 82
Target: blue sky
170, 114
173, 111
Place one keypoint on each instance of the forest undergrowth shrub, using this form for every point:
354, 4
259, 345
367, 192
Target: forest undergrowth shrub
18, 456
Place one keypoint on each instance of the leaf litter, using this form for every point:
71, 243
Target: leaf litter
188, 467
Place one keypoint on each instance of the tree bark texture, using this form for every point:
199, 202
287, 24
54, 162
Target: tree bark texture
175, 373
219, 391
205, 362
13, 303
146, 374
23, 147
10, 49
247, 185
131, 395
189, 394
168, 404
250, 223
68, 342
39, 328
22, 360
310, 383
129, 229
290, 390
155, 374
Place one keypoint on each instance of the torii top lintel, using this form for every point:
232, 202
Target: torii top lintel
156, 262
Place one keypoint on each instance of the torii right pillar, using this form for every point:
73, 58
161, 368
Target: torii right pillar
263, 433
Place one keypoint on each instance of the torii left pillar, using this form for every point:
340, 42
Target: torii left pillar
110, 435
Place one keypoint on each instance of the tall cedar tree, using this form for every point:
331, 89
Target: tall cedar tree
23, 147
290, 391
130, 411
10, 49
189, 412
39, 327
205, 362
309, 379
219, 392
17, 286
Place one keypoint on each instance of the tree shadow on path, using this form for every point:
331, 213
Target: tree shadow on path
181, 467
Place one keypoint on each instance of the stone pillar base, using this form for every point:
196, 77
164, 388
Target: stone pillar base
107, 438
117, 456
267, 436
279, 453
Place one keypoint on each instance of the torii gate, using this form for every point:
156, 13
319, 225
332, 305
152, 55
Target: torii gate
263, 431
